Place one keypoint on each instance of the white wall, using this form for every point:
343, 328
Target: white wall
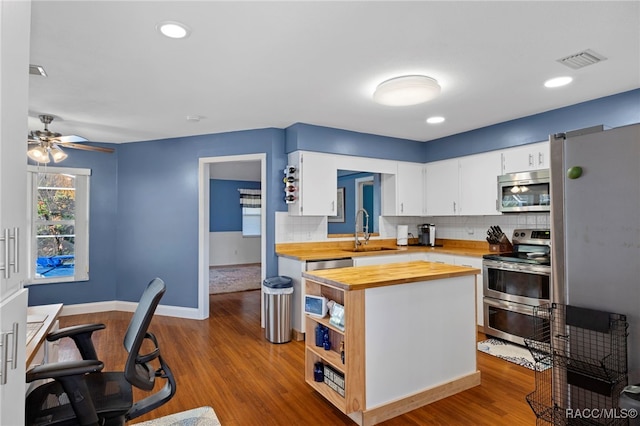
231, 248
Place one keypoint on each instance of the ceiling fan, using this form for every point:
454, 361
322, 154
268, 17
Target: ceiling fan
46, 142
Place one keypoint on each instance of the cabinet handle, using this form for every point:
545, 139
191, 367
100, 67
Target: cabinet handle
4, 342
333, 204
454, 206
540, 159
531, 160
15, 250
5, 266
401, 207
7, 252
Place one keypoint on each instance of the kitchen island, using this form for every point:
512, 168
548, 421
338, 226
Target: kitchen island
409, 337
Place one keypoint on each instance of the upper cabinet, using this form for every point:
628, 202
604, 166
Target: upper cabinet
317, 182
442, 188
402, 192
478, 184
533, 156
463, 186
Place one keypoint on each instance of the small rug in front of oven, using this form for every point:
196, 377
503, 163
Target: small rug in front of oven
510, 352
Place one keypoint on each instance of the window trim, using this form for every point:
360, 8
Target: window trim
81, 252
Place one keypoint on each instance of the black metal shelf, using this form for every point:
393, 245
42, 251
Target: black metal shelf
587, 351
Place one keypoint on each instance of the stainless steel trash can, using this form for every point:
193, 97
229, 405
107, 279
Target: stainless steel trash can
278, 293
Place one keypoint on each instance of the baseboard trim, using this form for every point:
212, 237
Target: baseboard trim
118, 305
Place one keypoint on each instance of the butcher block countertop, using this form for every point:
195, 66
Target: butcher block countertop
362, 277
344, 249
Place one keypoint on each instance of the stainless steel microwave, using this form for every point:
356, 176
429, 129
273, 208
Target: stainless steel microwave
524, 192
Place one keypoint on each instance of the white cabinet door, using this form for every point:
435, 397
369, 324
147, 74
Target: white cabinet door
317, 184
442, 188
474, 262
478, 184
15, 19
13, 324
410, 189
380, 260
523, 158
293, 269
441, 258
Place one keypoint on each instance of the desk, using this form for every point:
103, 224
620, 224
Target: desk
40, 321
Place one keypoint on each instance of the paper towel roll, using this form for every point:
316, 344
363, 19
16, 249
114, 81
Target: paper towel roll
403, 234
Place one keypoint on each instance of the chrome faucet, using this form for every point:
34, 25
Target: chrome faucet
364, 225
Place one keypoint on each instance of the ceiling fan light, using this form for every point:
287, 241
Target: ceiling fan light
406, 90
57, 154
39, 154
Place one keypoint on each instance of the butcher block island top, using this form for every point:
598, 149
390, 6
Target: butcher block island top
362, 277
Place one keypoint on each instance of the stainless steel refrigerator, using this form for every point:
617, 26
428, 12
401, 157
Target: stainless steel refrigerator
595, 225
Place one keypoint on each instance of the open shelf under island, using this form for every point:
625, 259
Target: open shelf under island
409, 337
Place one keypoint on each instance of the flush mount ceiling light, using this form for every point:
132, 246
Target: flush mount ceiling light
558, 82
406, 90
173, 29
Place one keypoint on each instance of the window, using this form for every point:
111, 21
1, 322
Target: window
251, 221
59, 232
250, 200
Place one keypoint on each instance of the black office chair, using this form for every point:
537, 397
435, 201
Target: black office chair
81, 394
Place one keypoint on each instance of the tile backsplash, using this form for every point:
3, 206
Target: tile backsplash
314, 228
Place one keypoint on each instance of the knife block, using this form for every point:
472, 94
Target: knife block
503, 247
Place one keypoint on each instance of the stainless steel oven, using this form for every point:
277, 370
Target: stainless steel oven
514, 283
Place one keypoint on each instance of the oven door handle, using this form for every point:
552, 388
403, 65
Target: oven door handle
515, 307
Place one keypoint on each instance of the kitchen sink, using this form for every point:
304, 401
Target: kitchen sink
373, 248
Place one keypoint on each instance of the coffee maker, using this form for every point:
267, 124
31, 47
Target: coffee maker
427, 234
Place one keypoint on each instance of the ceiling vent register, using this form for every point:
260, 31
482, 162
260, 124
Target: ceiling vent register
582, 59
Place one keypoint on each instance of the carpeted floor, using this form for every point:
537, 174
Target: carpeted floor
227, 279
509, 352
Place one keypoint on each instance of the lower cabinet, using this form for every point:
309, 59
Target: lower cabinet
381, 260
474, 262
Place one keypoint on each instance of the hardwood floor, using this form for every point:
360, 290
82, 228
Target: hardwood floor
225, 362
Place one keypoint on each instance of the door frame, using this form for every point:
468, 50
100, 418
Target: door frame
204, 165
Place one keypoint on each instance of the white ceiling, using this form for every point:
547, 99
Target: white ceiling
113, 78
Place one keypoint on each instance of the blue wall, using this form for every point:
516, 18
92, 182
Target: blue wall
103, 208
144, 197
225, 211
612, 111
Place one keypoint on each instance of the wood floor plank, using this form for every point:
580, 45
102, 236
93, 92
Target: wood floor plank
225, 362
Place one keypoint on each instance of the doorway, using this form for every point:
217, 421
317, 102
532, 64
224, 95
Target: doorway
206, 166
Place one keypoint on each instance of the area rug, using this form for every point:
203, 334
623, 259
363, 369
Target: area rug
203, 416
228, 279
513, 353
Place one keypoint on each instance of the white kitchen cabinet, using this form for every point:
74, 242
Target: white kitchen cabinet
442, 187
474, 262
293, 269
478, 184
15, 19
403, 192
463, 186
381, 260
440, 258
523, 158
317, 183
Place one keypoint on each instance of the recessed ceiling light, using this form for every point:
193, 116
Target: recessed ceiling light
173, 29
406, 90
435, 120
558, 82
